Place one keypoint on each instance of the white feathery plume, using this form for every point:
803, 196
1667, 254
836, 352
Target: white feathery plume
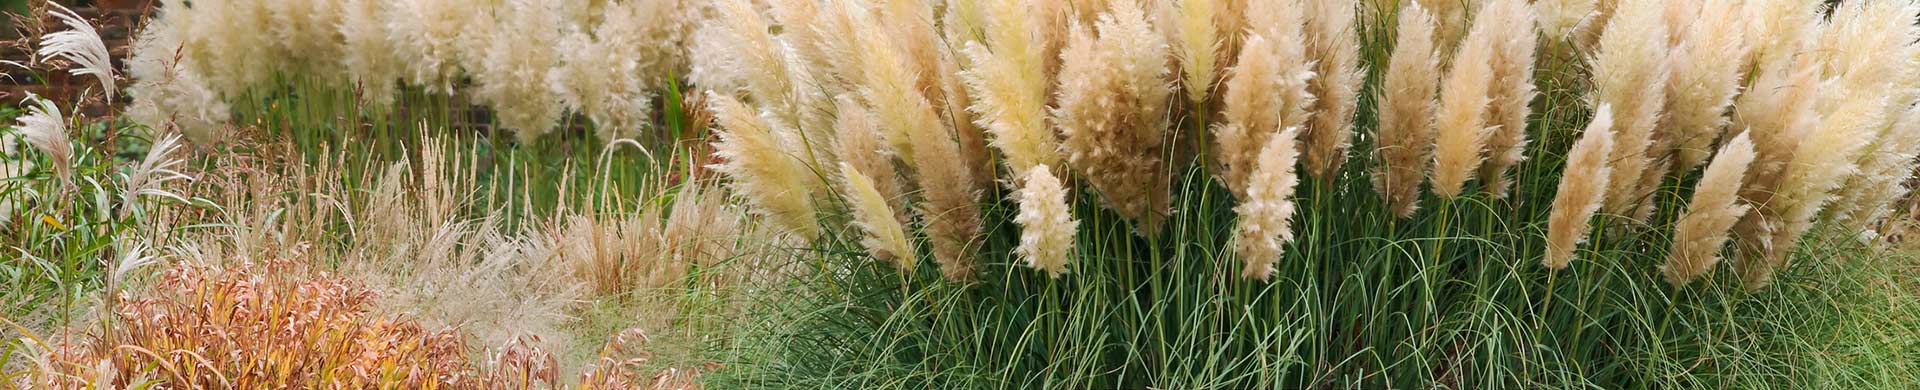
1333, 41
1046, 222
1265, 216
46, 129
1630, 74
1583, 187
81, 45
1702, 232
1404, 130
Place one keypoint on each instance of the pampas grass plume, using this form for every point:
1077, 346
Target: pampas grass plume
1265, 222
1405, 131
1630, 74
885, 238
1333, 42
772, 181
1046, 222
1705, 80
1198, 41
1513, 90
1273, 59
1582, 188
1462, 123
1112, 112
1009, 87
1702, 231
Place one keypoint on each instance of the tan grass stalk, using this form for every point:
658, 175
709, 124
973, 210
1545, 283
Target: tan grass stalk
1462, 122
1704, 80
1265, 217
1702, 231
1630, 74
1046, 223
1512, 92
950, 210
775, 183
1112, 112
1582, 189
1405, 125
885, 237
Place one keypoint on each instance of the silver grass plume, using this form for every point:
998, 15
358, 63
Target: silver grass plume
81, 45
1702, 231
773, 182
1512, 93
1630, 74
169, 95
1333, 41
1404, 134
1265, 216
1582, 189
1112, 112
1046, 222
46, 129
1878, 54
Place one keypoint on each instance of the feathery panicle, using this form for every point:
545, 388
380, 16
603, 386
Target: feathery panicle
1009, 87
1820, 164
1885, 169
1272, 60
774, 182
1869, 45
1046, 222
1780, 29
306, 37
1462, 122
432, 35
1702, 231
861, 147
1582, 188
1405, 131
1704, 80
1778, 111
1559, 19
46, 129
1265, 216
513, 76
885, 238
1333, 41
1113, 114
916, 133
1198, 41
368, 56
168, 94
1630, 74
1512, 90
81, 45
749, 55
153, 173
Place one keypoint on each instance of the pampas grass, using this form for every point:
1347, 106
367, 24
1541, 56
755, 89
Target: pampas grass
1702, 231
1462, 122
1582, 189
1512, 92
514, 76
771, 180
1705, 80
1112, 112
1272, 59
1046, 223
1009, 85
1333, 42
1820, 164
1405, 117
1198, 40
1630, 74
168, 94
885, 238
1265, 217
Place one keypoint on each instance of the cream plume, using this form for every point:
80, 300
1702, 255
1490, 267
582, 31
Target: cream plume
885, 238
1405, 125
1704, 81
1265, 223
1462, 122
1009, 86
1112, 112
1512, 92
1272, 60
774, 183
1334, 43
1046, 222
1582, 189
81, 45
1702, 231
1630, 74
